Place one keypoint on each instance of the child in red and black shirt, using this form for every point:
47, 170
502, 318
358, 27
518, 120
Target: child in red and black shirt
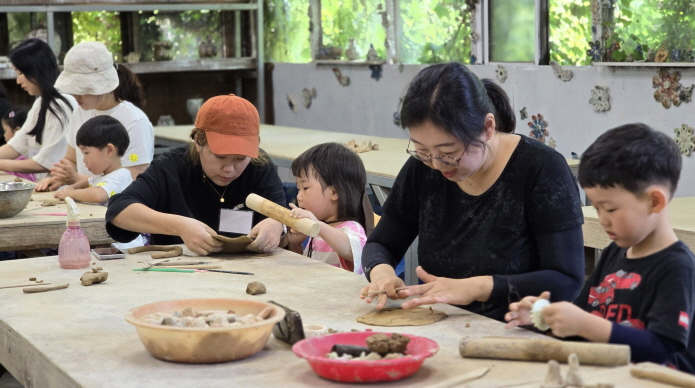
642, 292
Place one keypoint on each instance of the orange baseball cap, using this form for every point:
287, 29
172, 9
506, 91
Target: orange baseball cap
231, 125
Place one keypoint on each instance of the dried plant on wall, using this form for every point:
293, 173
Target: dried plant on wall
562, 74
667, 85
599, 99
539, 128
685, 139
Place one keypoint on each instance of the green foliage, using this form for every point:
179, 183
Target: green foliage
358, 19
287, 35
653, 23
570, 31
434, 31
19, 25
99, 26
512, 31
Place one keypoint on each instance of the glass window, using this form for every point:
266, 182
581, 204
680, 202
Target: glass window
100, 26
659, 25
178, 35
287, 35
361, 20
570, 31
512, 30
434, 31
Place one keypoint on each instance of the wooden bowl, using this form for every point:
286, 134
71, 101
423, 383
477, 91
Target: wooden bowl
204, 345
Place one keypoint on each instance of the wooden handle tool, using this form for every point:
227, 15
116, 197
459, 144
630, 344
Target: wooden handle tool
662, 374
280, 214
42, 289
545, 350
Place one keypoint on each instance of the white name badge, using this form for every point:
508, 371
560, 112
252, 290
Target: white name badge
236, 221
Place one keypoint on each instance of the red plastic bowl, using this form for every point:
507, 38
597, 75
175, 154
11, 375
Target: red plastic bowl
314, 350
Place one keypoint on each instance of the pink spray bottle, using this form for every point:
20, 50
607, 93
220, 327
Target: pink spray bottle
73, 251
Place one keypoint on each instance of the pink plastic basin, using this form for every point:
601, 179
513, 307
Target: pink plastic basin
314, 350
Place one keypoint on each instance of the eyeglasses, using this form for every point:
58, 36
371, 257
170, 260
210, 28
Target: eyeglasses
427, 159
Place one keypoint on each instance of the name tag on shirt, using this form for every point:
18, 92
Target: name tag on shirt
236, 221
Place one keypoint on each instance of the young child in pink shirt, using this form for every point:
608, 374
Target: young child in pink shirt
331, 180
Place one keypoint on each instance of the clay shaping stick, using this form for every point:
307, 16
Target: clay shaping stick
42, 289
648, 370
545, 350
166, 251
280, 214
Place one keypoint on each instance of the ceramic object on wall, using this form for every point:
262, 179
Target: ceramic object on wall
42, 33
685, 139
661, 55
207, 49
329, 52
372, 54
376, 71
562, 74
133, 57
306, 97
599, 99
501, 73
344, 80
685, 94
522, 113
539, 128
667, 85
595, 51
163, 50
291, 104
165, 121
552, 143
397, 118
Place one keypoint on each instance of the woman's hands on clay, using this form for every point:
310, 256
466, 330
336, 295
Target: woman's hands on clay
383, 278
64, 172
48, 183
198, 237
520, 312
298, 212
445, 290
266, 236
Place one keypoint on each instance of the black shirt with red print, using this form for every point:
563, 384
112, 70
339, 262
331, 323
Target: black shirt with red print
654, 293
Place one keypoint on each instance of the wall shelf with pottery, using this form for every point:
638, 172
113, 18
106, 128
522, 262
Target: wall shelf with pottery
333, 62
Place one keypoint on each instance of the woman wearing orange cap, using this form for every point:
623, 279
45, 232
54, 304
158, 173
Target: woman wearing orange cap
193, 193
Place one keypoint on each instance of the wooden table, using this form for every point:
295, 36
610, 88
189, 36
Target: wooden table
681, 211
78, 337
28, 230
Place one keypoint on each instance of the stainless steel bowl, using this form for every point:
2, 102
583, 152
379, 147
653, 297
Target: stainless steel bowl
14, 197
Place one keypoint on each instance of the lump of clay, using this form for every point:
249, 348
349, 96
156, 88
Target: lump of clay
378, 343
553, 379
90, 278
536, 311
255, 288
398, 343
574, 378
50, 202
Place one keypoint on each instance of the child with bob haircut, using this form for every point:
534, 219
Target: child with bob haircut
642, 292
102, 140
331, 180
11, 123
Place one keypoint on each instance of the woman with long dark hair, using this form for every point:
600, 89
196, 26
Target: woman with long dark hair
498, 215
41, 138
101, 88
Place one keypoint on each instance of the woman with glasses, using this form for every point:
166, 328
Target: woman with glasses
497, 215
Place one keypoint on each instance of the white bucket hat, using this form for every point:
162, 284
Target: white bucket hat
88, 69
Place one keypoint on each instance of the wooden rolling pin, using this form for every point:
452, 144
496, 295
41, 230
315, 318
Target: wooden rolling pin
662, 374
280, 214
545, 350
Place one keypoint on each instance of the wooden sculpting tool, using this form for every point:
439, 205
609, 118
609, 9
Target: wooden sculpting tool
170, 269
280, 214
26, 285
381, 291
545, 350
662, 374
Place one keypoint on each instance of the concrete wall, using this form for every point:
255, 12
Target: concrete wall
366, 106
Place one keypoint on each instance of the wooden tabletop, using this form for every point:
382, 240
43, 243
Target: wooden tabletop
284, 144
77, 337
681, 212
31, 230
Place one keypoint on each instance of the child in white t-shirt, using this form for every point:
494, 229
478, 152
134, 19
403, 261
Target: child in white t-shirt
102, 141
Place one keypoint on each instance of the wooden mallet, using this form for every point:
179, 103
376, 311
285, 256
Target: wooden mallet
280, 214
